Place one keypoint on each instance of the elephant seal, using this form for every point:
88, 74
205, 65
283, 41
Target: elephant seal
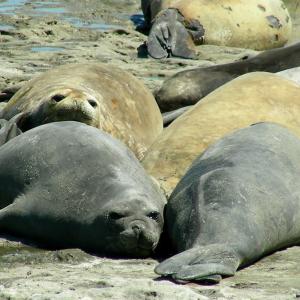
178, 25
188, 87
96, 94
239, 201
251, 98
67, 184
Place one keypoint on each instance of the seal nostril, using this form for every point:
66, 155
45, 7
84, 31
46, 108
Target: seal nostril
92, 102
58, 97
136, 229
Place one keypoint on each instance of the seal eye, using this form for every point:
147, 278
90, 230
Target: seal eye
92, 103
58, 97
115, 216
154, 215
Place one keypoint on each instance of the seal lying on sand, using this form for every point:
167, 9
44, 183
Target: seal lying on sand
239, 201
66, 184
178, 24
188, 87
99, 95
251, 98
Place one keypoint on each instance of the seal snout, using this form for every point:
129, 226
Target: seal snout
139, 237
137, 227
139, 233
73, 105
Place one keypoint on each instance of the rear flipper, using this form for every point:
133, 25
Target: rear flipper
201, 264
9, 129
170, 116
171, 35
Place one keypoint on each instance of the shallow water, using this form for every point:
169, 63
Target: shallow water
45, 8
47, 49
6, 27
10, 6
91, 25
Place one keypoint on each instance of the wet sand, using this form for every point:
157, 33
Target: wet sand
37, 35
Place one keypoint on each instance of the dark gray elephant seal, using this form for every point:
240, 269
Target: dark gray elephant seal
239, 201
67, 184
188, 87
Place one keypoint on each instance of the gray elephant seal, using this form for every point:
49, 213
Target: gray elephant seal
238, 202
66, 184
96, 94
188, 87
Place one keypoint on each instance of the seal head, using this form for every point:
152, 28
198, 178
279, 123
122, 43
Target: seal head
66, 184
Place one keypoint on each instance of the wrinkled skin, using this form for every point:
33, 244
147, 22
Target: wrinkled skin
66, 184
238, 202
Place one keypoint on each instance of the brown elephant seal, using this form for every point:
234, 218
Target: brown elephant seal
67, 184
188, 87
239, 201
96, 94
178, 24
251, 98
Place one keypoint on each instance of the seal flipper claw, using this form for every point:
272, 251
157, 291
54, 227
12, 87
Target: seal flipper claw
206, 263
169, 37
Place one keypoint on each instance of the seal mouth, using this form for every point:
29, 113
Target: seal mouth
70, 115
138, 244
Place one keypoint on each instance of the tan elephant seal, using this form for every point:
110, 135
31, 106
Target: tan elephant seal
251, 98
255, 24
96, 94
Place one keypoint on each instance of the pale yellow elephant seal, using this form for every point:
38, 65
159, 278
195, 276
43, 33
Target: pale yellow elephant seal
255, 24
96, 94
251, 98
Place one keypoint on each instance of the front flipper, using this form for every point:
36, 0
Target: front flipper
169, 37
9, 129
206, 263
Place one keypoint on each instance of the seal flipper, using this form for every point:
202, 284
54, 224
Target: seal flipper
202, 263
9, 129
170, 116
169, 37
